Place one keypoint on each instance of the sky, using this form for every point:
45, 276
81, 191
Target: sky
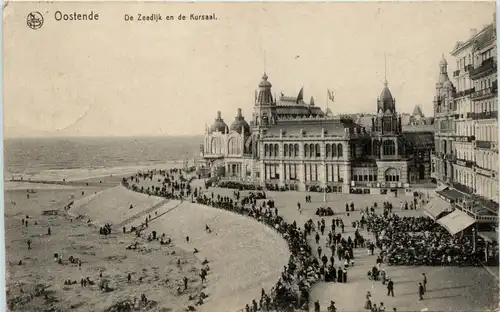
116, 78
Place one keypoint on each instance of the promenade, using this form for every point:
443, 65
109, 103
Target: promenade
448, 289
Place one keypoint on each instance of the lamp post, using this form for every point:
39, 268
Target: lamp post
473, 239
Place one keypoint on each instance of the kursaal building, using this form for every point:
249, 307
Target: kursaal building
293, 144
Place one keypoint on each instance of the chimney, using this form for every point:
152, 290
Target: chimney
219, 115
239, 113
473, 32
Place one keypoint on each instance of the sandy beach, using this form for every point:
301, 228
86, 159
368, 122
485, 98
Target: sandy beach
244, 255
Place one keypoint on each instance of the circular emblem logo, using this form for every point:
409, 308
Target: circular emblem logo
34, 20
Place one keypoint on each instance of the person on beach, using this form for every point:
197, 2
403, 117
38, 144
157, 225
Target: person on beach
29, 244
390, 288
129, 278
424, 282
420, 291
187, 239
185, 279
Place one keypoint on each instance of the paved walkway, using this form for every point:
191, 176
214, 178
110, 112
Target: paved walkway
449, 288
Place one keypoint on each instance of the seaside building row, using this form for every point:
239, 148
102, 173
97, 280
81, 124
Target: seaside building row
293, 144
465, 162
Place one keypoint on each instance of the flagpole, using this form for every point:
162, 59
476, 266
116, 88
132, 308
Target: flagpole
324, 169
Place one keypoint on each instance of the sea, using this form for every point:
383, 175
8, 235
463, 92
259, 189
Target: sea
82, 158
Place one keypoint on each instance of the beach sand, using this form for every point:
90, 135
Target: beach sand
155, 263
244, 255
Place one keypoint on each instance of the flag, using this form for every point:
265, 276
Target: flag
300, 97
330, 95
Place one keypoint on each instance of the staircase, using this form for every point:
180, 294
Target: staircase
143, 213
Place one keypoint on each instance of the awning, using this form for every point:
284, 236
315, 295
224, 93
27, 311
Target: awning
456, 222
490, 236
441, 188
435, 207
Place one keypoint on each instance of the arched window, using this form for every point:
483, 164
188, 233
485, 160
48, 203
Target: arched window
290, 150
213, 146
311, 150
340, 152
327, 152
285, 149
318, 150
334, 150
234, 146
306, 150
296, 150
392, 175
389, 147
276, 150
266, 150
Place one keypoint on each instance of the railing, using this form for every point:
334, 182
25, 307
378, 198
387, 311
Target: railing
483, 93
485, 115
463, 188
465, 138
465, 92
464, 163
483, 144
487, 66
483, 172
450, 157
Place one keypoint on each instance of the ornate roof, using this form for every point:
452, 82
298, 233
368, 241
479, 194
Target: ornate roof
264, 97
335, 127
417, 111
239, 122
443, 61
219, 124
385, 100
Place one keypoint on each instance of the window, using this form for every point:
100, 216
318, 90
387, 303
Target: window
327, 147
334, 150
276, 150
389, 147
318, 150
296, 150
311, 150
339, 150
286, 149
306, 150
234, 146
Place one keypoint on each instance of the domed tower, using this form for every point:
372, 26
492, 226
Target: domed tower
387, 121
240, 124
219, 125
264, 105
386, 103
445, 91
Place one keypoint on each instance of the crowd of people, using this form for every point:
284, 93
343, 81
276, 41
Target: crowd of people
419, 241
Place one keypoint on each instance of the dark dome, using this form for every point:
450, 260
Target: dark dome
385, 101
218, 125
264, 83
239, 121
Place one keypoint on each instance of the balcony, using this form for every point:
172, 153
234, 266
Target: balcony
468, 67
483, 144
485, 115
487, 67
464, 163
456, 73
465, 138
465, 92
463, 188
484, 172
483, 94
